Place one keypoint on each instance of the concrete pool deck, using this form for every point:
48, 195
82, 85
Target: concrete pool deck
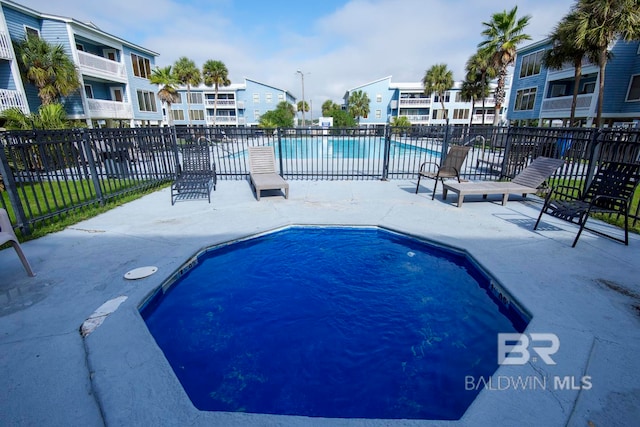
589, 296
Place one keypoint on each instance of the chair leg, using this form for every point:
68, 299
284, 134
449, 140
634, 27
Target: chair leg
433, 196
583, 222
626, 227
23, 258
418, 186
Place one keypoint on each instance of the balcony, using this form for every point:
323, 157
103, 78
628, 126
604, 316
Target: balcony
5, 46
563, 103
98, 66
102, 109
12, 99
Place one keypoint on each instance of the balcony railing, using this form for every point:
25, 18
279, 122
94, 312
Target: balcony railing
12, 99
5, 46
415, 102
564, 103
417, 119
223, 120
102, 109
97, 65
222, 103
488, 119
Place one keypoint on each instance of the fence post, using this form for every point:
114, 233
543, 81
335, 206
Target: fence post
174, 140
93, 170
594, 156
445, 144
387, 152
12, 190
280, 161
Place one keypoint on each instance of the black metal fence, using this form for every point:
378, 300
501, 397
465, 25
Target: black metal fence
48, 173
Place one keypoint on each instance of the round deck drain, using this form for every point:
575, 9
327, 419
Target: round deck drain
140, 273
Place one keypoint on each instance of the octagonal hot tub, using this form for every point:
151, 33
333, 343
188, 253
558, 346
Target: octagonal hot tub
338, 322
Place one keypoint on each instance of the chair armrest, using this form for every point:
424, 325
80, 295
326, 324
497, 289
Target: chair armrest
5, 222
566, 191
428, 163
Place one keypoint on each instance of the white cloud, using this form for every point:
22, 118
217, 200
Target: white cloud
361, 41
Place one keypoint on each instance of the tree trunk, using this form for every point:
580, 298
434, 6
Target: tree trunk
576, 86
499, 95
602, 62
215, 105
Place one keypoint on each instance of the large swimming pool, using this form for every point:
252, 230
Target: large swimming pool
331, 322
345, 148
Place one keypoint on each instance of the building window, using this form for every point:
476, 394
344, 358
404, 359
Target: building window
196, 114
459, 97
447, 96
460, 113
88, 91
438, 114
531, 64
256, 114
525, 99
268, 98
141, 66
177, 114
634, 88
280, 97
378, 98
588, 87
80, 47
147, 101
178, 98
195, 98
256, 98
30, 31
378, 114
558, 90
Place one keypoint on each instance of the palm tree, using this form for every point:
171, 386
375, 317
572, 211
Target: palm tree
599, 23
473, 87
328, 106
168, 92
358, 105
502, 35
438, 79
215, 74
565, 50
48, 67
480, 64
303, 106
49, 116
186, 72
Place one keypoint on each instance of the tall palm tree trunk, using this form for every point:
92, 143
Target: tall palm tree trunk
215, 105
576, 87
602, 62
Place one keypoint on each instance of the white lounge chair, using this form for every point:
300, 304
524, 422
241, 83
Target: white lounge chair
526, 182
263, 172
8, 235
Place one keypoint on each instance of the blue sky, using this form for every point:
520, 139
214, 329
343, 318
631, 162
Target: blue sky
339, 45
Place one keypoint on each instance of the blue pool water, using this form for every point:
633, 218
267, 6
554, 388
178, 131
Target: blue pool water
345, 148
331, 322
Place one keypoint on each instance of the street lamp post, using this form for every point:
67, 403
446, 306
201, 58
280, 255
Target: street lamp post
303, 102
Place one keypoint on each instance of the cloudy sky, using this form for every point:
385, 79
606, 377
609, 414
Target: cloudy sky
338, 44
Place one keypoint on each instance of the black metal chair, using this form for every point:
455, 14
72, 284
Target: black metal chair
610, 192
197, 174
